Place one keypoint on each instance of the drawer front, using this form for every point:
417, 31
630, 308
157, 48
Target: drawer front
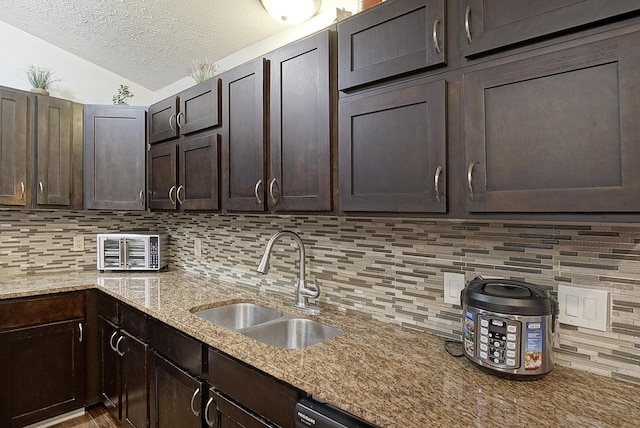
253, 389
108, 307
183, 350
134, 321
43, 309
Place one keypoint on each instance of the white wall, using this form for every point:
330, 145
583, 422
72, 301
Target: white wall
80, 80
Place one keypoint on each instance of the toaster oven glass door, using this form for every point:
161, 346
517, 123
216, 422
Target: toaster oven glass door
136, 251
113, 255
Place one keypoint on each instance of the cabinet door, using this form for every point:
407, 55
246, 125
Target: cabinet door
13, 147
163, 120
556, 132
114, 157
43, 372
163, 163
396, 38
301, 116
110, 375
392, 150
224, 413
243, 141
59, 141
135, 381
493, 24
198, 184
200, 107
176, 396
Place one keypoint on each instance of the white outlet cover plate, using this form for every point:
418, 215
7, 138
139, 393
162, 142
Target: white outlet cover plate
453, 285
583, 307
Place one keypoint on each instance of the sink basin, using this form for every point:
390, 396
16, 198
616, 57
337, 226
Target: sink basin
292, 333
239, 316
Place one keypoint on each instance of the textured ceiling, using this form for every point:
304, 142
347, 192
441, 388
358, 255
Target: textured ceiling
150, 42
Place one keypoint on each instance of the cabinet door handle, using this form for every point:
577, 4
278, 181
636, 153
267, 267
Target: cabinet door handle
178, 194
272, 185
141, 197
113, 336
193, 399
22, 190
436, 183
206, 413
436, 44
173, 201
256, 191
121, 353
81, 332
178, 121
41, 187
470, 181
170, 124
467, 30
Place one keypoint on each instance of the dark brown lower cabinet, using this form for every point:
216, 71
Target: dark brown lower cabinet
224, 413
135, 381
42, 358
110, 378
177, 396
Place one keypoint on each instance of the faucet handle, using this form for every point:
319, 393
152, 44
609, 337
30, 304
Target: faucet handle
312, 292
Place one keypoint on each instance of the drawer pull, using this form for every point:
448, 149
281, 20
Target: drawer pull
436, 44
81, 332
121, 353
256, 191
193, 399
206, 413
173, 201
436, 183
113, 336
170, 124
141, 197
181, 187
467, 16
470, 181
22, 190
178, 122
41, 187
272, 186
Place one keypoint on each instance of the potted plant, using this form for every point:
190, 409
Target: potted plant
122, 94
202, 70
40, 78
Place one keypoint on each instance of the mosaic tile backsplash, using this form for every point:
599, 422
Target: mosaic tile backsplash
391, 269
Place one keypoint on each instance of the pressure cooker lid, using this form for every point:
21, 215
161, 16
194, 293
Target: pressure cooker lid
509, 296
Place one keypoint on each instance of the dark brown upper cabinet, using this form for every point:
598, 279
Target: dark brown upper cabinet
392, 149
495, 24
14, 129
244, 94
302, 108
114, 157
59, 136
192, 110
393, 39
184, 175
556, 132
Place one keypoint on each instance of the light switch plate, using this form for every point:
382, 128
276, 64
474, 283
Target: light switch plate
453, 285
584, 307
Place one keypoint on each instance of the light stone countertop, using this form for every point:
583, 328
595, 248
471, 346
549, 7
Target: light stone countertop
386, 374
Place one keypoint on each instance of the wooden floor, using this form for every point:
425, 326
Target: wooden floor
96, 417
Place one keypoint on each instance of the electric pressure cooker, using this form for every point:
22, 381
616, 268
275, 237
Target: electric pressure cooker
508, 327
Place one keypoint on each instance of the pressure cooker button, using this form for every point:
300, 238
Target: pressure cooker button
497, 353
483, 355
497, 343
484, 339
511, 337
503, 337
511, 354
511, 362
497, 360
512, 328
511, 345
484, 347
484, 323
484, 331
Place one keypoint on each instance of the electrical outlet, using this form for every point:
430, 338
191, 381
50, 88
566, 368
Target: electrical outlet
197, 247
453, 285
583, 307
78, 243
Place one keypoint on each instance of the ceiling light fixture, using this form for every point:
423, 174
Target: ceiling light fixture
291, 12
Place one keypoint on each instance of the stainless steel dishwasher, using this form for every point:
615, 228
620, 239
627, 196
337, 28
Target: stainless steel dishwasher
311, 413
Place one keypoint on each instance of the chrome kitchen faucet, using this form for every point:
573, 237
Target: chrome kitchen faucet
302, 292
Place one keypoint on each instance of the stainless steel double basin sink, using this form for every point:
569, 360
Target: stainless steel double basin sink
269, 325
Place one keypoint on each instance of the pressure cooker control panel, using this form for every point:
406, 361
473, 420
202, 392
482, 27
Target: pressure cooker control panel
499, 341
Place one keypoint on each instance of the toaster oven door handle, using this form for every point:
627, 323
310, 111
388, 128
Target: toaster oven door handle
123, 253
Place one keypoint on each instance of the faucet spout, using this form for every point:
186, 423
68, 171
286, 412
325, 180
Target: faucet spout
303, 293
